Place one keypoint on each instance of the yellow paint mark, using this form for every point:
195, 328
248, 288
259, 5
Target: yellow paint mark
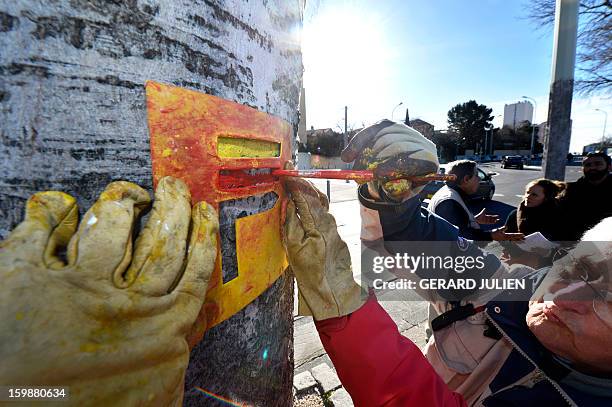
261, 260
229, 147
89, 347
19, 316
167, 152
398, 186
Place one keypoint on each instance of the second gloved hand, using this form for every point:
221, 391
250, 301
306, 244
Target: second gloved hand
319, 258
390, 150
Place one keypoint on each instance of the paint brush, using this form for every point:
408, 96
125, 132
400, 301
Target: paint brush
357, 175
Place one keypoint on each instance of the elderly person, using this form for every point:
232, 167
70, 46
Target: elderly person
553, 350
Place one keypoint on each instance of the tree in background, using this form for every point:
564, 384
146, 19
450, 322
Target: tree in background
325, 142
469, 121
508, 138
446, 143
594, 51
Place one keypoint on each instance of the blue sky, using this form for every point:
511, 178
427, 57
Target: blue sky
430, 55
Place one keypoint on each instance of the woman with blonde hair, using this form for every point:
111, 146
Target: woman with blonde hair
539, 211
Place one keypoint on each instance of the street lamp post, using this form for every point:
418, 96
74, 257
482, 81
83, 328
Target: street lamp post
393, 111
535, 109
492, 150
603, 136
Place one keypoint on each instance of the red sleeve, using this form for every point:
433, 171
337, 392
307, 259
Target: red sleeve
377, 365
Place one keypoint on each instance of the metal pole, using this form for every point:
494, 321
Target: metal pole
393, 111
345, 140
328, 192
561, 89
493, 128
535, 109
603, 136
345, 125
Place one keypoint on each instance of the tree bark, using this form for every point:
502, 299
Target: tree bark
73, 118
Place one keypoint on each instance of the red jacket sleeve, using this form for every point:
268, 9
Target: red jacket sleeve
377, 365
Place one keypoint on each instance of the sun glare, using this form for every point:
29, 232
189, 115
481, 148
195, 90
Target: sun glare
345, 58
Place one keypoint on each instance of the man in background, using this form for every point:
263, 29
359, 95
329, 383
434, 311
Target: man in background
450, 203
588, 200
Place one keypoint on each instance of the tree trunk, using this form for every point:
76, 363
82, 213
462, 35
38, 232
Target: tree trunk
73, 118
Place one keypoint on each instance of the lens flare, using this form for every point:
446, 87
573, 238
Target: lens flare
220, 398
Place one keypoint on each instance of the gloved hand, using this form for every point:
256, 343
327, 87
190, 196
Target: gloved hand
110, 324
392, 149
318, 256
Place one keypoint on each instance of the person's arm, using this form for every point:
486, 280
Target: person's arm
406, 221
455, 214
377, 365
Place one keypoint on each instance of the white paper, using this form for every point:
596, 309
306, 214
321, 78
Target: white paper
536, 242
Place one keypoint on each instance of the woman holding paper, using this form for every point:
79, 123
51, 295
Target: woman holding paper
539, 210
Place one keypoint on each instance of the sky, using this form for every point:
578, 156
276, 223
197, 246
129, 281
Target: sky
430, 56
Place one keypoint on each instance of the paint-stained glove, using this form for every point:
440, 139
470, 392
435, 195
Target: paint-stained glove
391, 150
319, 258
111, 325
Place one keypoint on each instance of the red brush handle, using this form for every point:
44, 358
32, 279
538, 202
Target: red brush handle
356, 175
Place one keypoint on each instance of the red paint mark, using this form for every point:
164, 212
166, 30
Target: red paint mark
234, 179
357, 175
212, 310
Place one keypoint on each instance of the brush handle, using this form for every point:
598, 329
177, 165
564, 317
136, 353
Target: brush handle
355, 175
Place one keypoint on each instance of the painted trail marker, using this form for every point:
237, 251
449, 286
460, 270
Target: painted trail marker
226, 153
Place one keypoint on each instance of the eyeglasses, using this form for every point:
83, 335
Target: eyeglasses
600, 295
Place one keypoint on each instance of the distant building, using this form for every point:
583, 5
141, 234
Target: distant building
516, 114
422, 127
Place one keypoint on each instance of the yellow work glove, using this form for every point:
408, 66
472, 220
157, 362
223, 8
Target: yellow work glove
392, 150
319, 258
111, 323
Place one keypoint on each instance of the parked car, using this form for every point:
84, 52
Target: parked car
486, 188
512, 161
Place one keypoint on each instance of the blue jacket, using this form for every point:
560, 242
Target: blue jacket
408, 221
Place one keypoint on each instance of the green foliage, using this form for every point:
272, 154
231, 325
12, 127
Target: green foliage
470, 121
519, 139
446, 144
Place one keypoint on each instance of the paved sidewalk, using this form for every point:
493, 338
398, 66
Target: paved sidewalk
315, 380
